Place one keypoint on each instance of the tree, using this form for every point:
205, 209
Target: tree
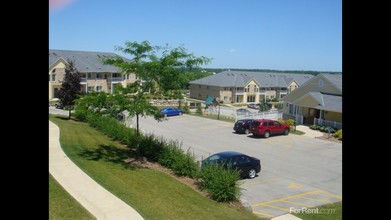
161, 74
70, 88
133, 100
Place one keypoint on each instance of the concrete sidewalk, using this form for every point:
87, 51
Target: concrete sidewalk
97, 200
308, 131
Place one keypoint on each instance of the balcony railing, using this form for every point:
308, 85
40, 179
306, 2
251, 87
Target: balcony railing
116, 79
83, 79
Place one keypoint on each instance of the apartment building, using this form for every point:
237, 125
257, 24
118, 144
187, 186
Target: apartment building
246, 86
95, 76
318, 101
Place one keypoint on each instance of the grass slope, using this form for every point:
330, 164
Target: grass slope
64, 206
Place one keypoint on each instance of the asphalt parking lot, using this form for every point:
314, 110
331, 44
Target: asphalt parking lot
297, 171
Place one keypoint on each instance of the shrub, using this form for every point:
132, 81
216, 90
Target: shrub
151, 146
175, 158
186, 108
220, 183
199, 110
338, 134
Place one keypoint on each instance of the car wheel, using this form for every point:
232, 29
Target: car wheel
267, 134
286, 132
247, 131
180, 113
165, 115
252, 173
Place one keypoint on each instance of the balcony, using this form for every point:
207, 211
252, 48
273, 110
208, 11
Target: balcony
116, 79
239, 92
83, 80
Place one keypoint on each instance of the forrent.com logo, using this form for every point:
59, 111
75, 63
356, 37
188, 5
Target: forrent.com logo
311, 210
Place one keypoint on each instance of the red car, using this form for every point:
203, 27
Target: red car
267, 127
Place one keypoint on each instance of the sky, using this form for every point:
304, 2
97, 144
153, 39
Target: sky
245, 34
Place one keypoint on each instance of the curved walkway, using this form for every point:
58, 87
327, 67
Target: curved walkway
97, 200
308, 131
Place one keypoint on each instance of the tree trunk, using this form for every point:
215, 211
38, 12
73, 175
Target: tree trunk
69, 115
138, 139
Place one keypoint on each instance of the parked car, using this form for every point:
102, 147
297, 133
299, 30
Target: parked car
248, 166
171, 111
253, 105
243, 111
267, 127
242, 126
59, 105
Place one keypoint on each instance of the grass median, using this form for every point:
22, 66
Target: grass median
154, 194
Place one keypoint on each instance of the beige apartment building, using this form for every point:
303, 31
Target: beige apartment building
318, 101
246, 86
94, 75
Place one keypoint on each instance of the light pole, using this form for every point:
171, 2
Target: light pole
218, 103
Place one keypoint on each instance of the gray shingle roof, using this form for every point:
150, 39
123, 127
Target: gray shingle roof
85, 61
335, 79
328, 102
241, 78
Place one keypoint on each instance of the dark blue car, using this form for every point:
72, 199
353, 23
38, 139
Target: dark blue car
171, 111
247, 165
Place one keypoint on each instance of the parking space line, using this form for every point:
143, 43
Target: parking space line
317, 200
296, 203
260, 182
262, 213
330, 194
286, 198
276, 207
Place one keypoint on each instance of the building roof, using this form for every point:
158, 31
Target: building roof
335, 79
321, 101
85, 61
241, 78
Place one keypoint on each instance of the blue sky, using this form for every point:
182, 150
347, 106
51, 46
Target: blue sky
248, 34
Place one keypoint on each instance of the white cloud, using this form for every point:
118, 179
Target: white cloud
231, 50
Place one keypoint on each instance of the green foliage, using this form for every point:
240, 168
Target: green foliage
151, 146
338, 134
199, 110
159, 66
186, 108
176, 159
70, 88
263, 107
220, 182
279, 106
322, 128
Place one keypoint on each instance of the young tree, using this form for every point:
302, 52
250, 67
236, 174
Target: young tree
161, 74
70, 88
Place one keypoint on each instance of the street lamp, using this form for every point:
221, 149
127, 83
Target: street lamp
218, 103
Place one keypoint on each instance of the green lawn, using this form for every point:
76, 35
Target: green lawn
64, 206
155, 195
326, 212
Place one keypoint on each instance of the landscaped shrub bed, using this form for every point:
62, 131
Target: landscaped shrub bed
220, 183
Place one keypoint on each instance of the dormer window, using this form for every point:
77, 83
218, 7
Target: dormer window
320, 83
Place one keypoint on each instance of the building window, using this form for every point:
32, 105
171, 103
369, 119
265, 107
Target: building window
320, 83
98, 75
89, 76
207, 87
98, 88
199, 86
53, 77
90, 89
250, 98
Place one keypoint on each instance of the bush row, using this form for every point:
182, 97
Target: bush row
220, 183
322, 128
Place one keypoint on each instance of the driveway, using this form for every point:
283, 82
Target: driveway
297, 171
